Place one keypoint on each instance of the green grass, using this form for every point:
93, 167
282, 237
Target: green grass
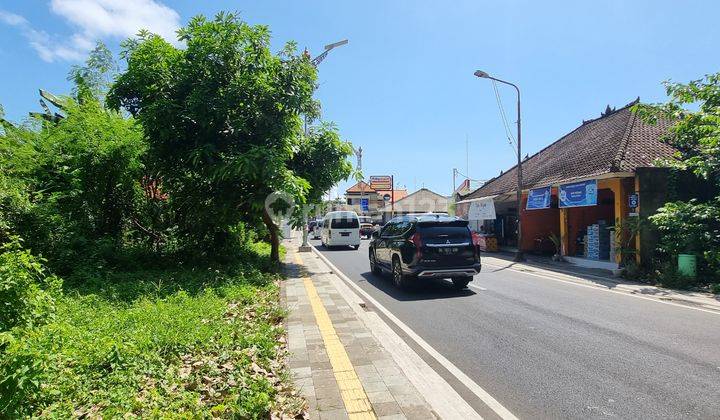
162, 342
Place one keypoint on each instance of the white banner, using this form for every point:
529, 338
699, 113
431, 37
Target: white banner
482, 209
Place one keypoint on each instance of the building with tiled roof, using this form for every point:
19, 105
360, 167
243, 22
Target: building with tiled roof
615, 143
375, 198
615, 155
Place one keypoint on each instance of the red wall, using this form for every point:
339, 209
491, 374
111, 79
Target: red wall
539, 224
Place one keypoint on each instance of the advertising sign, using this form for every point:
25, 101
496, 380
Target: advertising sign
538, 198
364, 204
633, 200
482, 209
578, 194
381, 182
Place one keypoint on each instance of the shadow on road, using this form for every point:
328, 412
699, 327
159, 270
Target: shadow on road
424, 289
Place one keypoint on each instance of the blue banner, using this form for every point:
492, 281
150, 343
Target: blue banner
578, 194
538, 198
364, 204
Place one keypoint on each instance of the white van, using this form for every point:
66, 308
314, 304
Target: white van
341, 228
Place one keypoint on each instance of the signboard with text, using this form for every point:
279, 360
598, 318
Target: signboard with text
538, 198
381, 182
482, 209
578, 194
364, 204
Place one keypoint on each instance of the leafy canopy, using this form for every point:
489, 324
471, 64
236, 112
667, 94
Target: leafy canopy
696, 134
222, 118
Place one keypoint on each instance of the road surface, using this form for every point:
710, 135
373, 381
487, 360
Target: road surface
548, 349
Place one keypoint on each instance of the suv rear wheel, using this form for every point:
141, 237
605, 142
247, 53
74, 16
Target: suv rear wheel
401, 280
460, 282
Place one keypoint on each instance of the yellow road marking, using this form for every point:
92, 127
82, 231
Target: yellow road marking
356, 400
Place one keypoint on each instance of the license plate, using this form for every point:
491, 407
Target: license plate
344, 233
448, 251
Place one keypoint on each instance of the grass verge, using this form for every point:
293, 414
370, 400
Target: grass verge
182, 342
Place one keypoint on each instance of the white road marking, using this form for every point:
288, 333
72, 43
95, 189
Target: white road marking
472, 286
602, 288
476, 389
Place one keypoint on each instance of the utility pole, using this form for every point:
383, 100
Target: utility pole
519, 254
305, 247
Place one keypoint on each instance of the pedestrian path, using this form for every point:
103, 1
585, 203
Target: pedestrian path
337, 363
568, 273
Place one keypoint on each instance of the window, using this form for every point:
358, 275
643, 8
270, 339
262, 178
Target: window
388, 229
349, 201
345, 223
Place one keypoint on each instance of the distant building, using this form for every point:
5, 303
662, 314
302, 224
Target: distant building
421, 201
376, 199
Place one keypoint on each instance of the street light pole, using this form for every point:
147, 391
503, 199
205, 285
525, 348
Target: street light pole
519, 254
305, 247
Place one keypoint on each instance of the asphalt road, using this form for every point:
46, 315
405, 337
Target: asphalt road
547, 349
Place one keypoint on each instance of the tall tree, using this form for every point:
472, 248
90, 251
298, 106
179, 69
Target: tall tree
222, 117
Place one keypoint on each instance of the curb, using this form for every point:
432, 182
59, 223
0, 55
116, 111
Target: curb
443, 399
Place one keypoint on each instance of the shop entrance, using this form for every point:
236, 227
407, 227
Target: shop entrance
589, 228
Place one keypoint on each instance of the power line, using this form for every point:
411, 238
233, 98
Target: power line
508, 133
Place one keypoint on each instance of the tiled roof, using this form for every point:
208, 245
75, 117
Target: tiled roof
616, 142
397, 194
360, 187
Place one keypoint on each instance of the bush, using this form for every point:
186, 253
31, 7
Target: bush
715, 288
188, 342
691, 228
27, 291
670, 277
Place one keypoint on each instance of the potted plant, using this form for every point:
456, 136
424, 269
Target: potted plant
558, 246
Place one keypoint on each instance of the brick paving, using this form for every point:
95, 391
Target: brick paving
390, 393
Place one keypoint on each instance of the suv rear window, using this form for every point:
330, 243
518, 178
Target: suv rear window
445, 231
345, 223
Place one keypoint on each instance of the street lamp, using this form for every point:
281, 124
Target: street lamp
483, 75
305, 247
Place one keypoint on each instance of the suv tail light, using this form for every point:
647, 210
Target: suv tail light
417, 241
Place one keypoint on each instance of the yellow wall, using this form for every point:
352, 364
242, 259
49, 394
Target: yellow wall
620, 193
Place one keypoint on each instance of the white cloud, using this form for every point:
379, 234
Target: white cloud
12, 19
95, 20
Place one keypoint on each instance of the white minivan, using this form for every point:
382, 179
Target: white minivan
341, 228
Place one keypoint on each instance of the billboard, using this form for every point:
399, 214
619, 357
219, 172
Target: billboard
482, 209
578, 194
381, 182
538, 198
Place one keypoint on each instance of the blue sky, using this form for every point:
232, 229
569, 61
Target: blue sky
403, 88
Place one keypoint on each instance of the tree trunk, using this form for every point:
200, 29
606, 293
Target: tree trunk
274, 237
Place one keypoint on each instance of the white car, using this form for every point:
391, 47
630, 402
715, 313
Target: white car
341, 228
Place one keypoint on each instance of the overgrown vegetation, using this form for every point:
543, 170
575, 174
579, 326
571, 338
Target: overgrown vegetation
691, 226
138, 261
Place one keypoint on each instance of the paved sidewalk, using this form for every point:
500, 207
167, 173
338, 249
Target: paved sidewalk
337, 363
601, 279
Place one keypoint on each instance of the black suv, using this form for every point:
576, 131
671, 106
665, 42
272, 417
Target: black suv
427, 246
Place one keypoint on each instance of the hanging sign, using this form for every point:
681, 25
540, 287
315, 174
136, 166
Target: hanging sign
578, 194
633, 200
364, 204
538, 198
482, 209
